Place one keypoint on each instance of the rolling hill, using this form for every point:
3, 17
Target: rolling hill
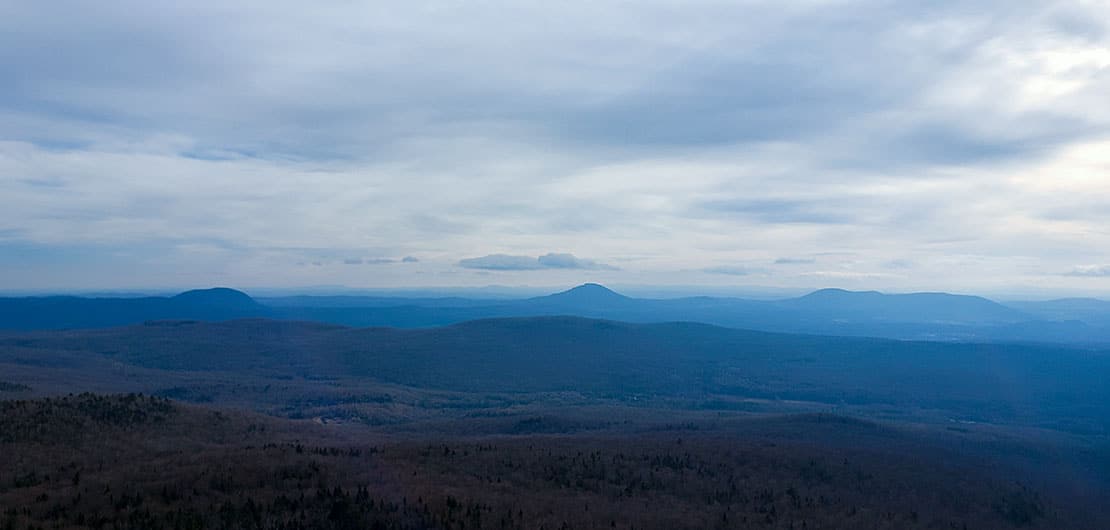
129, 461
915, 316
1034, 385
65, 312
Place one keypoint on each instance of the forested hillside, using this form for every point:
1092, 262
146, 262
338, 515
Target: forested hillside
134, 462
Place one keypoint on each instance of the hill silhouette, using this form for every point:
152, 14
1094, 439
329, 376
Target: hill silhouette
216, 296
657, 425
583, 298
71, 312
1059, 386
589, 293
913, 307
915, 316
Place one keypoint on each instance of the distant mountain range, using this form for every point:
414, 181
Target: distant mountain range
917, 316
65, 312
1050, 386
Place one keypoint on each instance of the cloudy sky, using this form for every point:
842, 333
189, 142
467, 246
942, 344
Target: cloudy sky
945, 145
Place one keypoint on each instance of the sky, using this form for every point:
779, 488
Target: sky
899, 146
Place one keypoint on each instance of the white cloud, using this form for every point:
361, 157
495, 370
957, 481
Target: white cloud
504, 262
667, 137
1096, 271
728, 270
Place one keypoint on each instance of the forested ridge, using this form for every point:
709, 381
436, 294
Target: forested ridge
132, 461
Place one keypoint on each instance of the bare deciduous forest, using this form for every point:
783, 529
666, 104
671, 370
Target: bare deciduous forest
132, 461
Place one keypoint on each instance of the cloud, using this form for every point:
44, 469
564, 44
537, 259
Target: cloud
672, 77
727, 270
899, 264
376, 261
501, 262
167, 139
569, 261
795, 261
504, 262
781, 210
1090, 271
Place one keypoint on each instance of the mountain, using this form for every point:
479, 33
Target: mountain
586, 299
914, 307
572, 411
215, 297
1088, 310
589, 293
1040, 385
916, 316
69, 312
828, 311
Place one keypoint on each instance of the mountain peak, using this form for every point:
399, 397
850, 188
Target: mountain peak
911, 307
591, 290
591, 294
216, 296
833, 292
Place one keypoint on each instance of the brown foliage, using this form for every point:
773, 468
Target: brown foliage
130, 461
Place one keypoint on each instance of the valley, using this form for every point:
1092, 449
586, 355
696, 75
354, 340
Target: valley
543, 421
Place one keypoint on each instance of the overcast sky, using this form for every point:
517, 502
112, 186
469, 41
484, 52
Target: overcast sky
901, 146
